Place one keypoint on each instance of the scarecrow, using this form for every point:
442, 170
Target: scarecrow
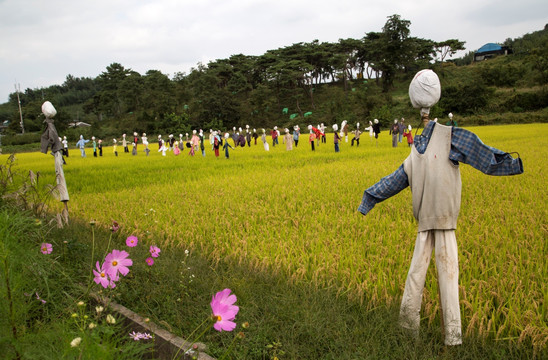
432, 172
227, 145
94, 143
263, 139
247, 135
318, 134
144, 139
216, 143
255, 136
356, 137
124, 143
65, 146
81, 145
202, 146
50, 138
296, 134
336, 136
288, 140
376, 131
135, 140
312, 137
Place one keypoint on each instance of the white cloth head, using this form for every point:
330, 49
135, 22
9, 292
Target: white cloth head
48, 110
425, 90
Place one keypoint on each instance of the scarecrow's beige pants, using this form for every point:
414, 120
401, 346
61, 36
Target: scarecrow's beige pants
445, 244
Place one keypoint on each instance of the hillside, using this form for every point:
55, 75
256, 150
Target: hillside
299, 84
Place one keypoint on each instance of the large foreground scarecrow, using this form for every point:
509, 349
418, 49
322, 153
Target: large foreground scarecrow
432, 172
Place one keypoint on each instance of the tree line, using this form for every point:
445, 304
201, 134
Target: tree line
350, 79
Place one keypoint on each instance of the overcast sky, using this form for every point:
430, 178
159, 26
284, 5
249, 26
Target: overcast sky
41, 42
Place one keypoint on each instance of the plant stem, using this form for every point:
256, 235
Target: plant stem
197, 338
229, 350
90, 281
108, 245
10, 302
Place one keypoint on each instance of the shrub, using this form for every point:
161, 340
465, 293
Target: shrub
466, 98
527, 101
21, 139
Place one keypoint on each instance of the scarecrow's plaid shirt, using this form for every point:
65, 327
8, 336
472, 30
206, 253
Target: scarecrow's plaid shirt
466, 147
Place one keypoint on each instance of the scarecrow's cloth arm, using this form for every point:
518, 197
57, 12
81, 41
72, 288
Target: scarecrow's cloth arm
467, 148
387, 187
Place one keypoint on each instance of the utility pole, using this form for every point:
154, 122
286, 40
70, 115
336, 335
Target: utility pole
17, 90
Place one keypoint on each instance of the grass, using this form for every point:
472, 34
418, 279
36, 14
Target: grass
314, 278
32, 329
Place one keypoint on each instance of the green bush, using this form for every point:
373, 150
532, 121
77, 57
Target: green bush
503, 75
21, 139
465, 98
527, 101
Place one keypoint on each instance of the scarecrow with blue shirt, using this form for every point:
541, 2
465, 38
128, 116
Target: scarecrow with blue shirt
432, 172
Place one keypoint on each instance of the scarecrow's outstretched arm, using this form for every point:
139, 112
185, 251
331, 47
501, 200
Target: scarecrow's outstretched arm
467, 147
387, 187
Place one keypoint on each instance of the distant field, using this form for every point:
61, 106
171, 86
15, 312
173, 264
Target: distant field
296, 213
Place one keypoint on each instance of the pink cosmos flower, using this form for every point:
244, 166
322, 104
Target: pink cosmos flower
154, 251
39, 298
132, 241
138, 336
114, 226
117, 262
224, 310
150, 261
101, 277
46, 248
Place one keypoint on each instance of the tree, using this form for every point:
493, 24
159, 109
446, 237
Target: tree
131, 92
158, 95
449, 47
392, 49
110, 81
347, 50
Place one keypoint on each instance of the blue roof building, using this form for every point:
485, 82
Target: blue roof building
489, 50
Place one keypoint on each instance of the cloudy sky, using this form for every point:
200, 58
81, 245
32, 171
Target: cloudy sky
41, 42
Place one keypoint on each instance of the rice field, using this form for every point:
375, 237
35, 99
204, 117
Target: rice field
295, 213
